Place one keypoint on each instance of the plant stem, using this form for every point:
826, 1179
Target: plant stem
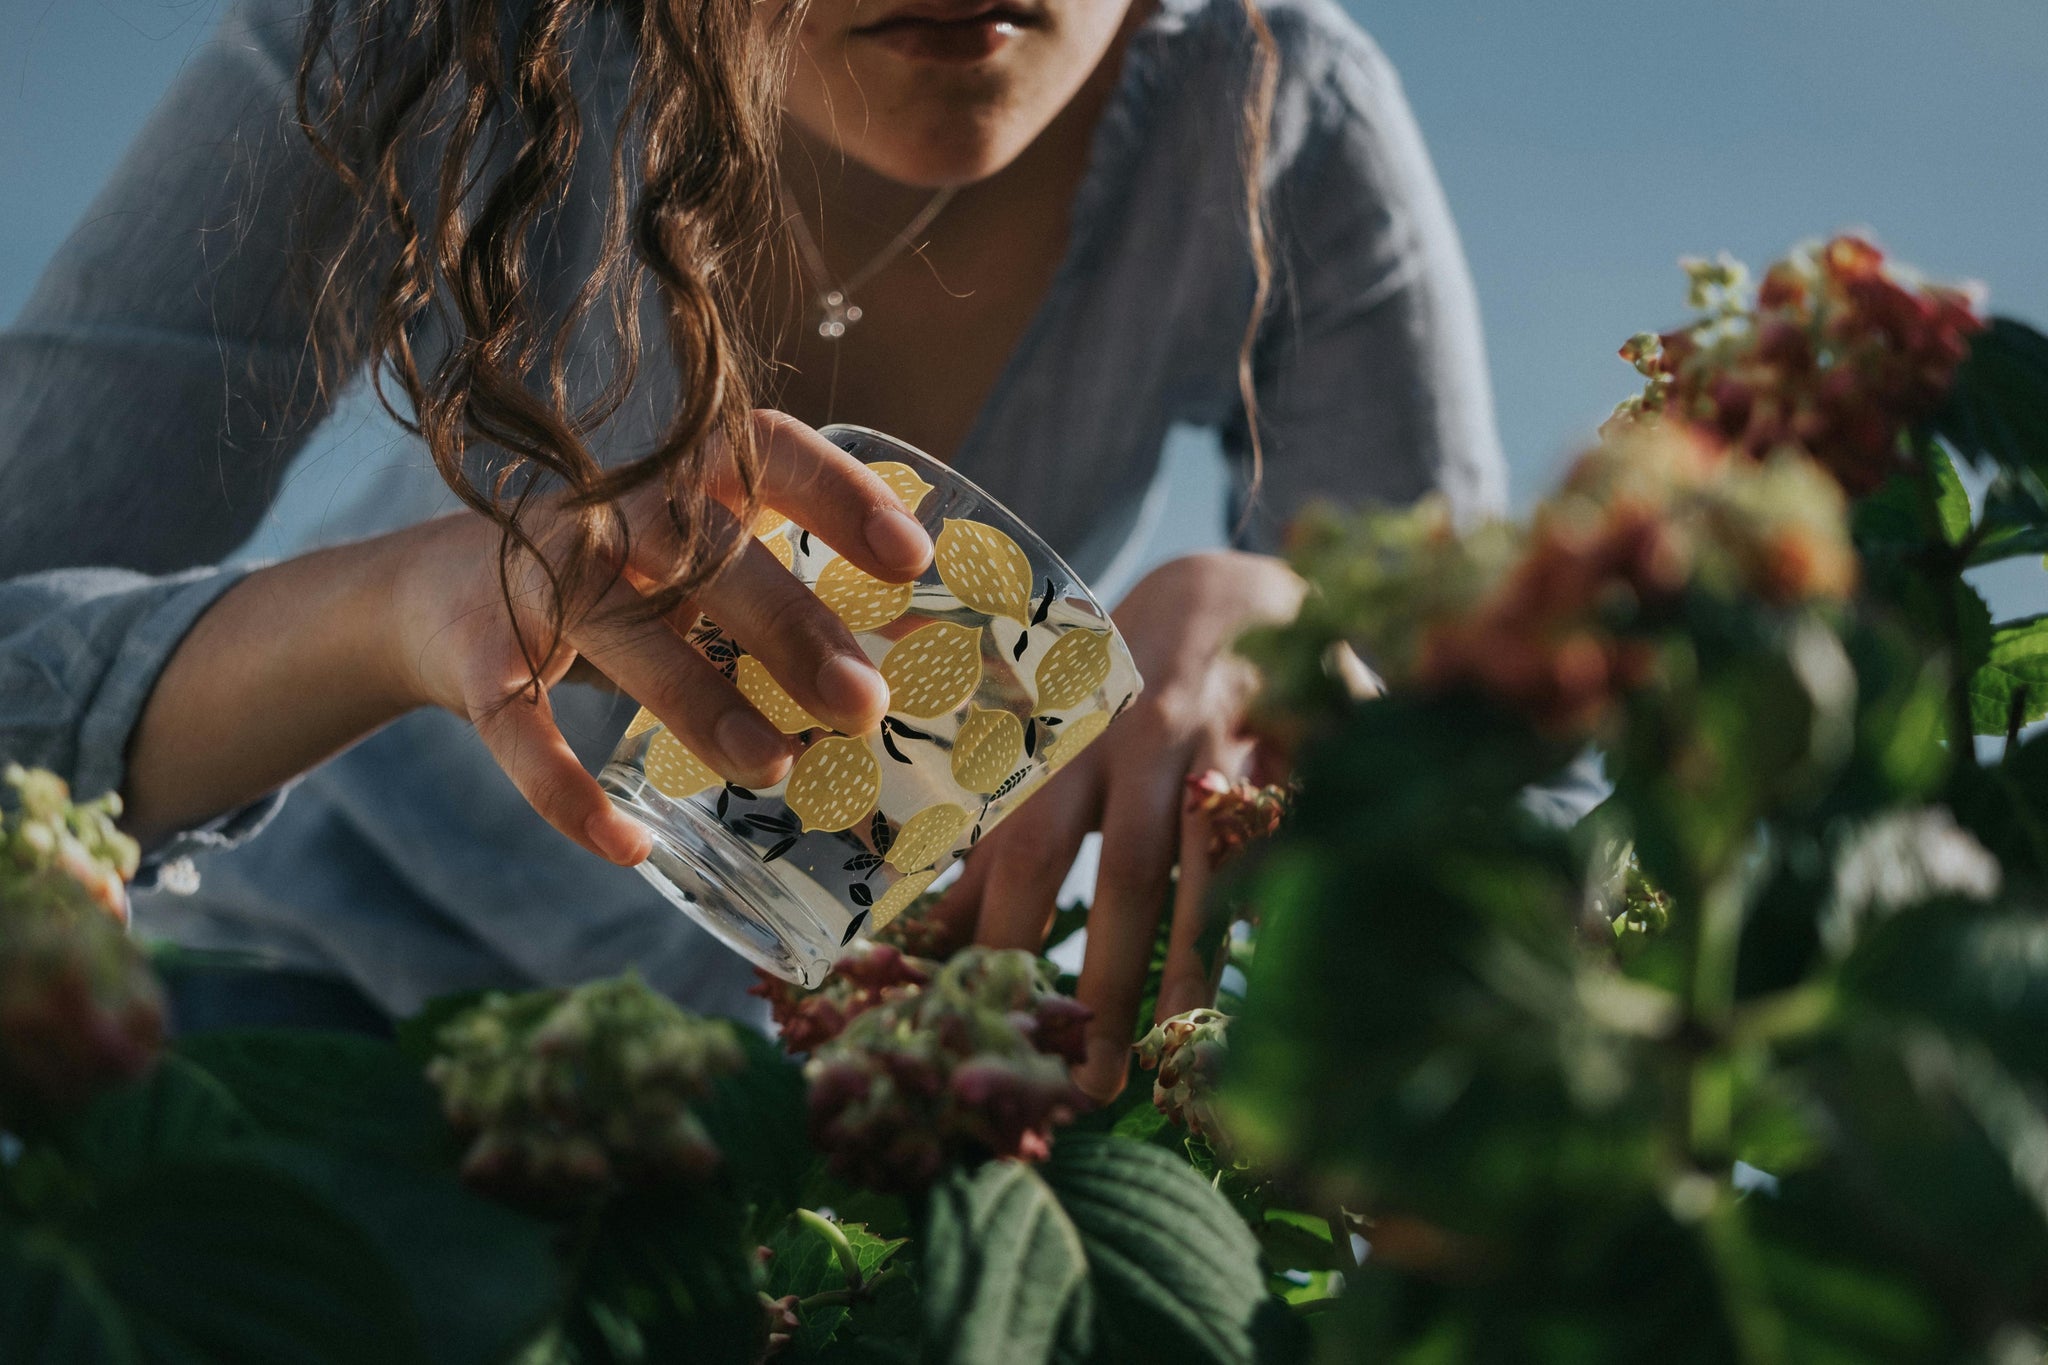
836, 1239
1340, 1238
845, 1298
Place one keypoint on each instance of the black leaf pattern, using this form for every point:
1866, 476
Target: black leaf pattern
883, 835
862, 862
891, 723
1010, 783
741, 792
781, 848
1044, 605
1031, 737
1122, 704
1022, 641
889, 743
975, 837
1050, 721
860, 894
859, 922
803, 541
775, 824
724, 800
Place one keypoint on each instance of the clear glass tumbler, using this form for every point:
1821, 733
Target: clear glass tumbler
1001, 667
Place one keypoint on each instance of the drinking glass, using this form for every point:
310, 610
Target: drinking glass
1001, 667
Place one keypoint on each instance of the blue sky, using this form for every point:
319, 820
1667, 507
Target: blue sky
1585, 147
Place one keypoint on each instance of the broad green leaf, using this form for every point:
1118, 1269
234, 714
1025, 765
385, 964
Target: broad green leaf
178, 1110
1174, 1270
481, 1278
1898, 515
53, 1310
2013, 681
1005, 1276
331, 1089
664, 1278
243, 1265
757, 1118
804, 1264
1997, 413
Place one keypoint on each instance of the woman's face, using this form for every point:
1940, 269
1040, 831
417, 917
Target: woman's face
942, 92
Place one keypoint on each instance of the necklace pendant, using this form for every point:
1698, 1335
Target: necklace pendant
838, 314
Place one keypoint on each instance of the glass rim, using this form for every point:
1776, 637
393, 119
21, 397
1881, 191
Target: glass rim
1074, 580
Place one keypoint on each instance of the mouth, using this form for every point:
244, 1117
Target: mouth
958, 32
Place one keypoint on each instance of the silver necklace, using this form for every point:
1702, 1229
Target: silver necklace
836, 309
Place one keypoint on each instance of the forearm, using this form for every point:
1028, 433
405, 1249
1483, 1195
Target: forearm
287, 668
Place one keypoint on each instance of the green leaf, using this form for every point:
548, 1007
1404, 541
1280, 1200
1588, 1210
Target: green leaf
332, 1089
53, 1311
1005, 1276
1897, 515
757, 1118
481, 1278
1997, 413
664, 1278
237, 1263
805, 1264
2013, 681
1175, 1272
178, 1110
420, 1036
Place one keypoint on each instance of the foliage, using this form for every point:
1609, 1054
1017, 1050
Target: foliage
1745, 1067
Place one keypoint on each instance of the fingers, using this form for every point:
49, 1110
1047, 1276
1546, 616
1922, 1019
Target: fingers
685, 691
517, 725
1188, 979
822, 488
1138, 836
806, 648
1027, 857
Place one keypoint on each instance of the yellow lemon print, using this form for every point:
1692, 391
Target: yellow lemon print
897, 898
933, 669
834, 784
779, 546
643, 721
863, 602
1072, 669
904, 481
676, 772
1076, 735
770, 700
768, 521
926, 835
988, 749
984, 569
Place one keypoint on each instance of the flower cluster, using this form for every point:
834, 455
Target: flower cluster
79, 1008
973, 1064
55, 850
1836, 356
1557, 621
1188, 1051
1237, 813
865, 975
563, 1094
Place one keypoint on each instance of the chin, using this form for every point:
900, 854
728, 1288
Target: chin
936, 163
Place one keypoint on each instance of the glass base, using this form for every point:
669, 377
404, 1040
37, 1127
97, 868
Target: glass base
719, 881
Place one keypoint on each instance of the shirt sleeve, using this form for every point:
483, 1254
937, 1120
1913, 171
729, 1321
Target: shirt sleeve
1369, 369
150, 392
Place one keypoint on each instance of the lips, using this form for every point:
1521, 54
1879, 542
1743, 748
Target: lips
950, 31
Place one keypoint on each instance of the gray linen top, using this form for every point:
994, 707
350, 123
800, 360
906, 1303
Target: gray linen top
154, 407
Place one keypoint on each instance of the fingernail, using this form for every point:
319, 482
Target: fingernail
1102, 1075
750, 741
898, 540
619, 837
851, 687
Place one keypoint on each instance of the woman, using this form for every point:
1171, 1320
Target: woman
1087, 282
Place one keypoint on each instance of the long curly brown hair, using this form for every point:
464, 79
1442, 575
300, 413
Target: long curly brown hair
453, 128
